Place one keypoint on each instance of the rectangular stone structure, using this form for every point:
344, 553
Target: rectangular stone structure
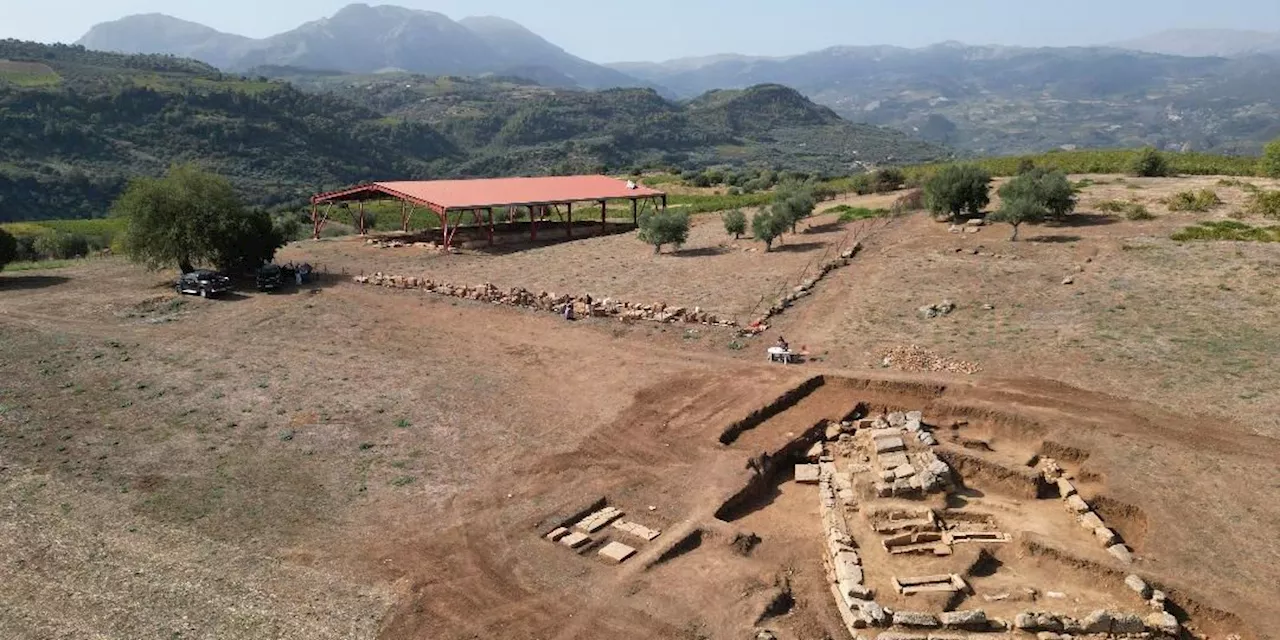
891, 461
637, 530
557, 533
808, 473
575, 540
616, 552
892, 444
598, 520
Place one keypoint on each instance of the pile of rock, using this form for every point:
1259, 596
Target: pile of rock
803, 290
944, 308
584, 306
384, 243
1085, 514
971, 226
917, 359
1160, 619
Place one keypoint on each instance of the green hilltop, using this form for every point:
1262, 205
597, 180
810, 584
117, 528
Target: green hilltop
75, 125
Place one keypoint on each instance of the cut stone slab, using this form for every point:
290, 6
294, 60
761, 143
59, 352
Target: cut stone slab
918, 619
637, 530
808, 473
903, 471
557, 533
892, 444
1065, 488
1077, 504
915, 416
888, 432
575, 540
1121, 553
616, 552
814, 452
972, 620
1097, 622
1090, 520
1164, 622
892, 461
1127, 623
1106, 536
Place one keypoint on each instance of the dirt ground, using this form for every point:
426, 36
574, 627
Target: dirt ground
352, 462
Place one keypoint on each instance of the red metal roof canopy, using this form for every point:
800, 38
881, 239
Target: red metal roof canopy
452, 195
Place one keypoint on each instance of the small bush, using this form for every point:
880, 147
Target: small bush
1150, 163
61, 246
1201, 200
910, 201
851, 214
1265, 204
1137, 211
1112, 206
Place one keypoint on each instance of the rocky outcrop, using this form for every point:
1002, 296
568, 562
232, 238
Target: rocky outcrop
584, 306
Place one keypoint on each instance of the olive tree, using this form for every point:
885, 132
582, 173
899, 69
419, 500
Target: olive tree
958, 188
735, 222
191, 216
664, 227
793, 204
1019, 210
1050, 188
1150, 163
766, 226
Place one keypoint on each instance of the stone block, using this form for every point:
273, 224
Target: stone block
1090, 520
807, 473
1138, 586
892, 444
888, 476
884, 490
1097, 622
917, 619
814, 452
616, 552
914, 426
893, 460
915, 416
897, 419
1106, 536
1163, 622
895, 635
874, 613
1121, 553
887, 432
1065, 488
1077, 504
575, 540
971, 620
903, 471
557, 533
1127, 623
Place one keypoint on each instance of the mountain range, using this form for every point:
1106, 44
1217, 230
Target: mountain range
366, 39
1164, 90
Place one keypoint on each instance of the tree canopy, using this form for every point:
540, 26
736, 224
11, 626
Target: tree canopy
1018, 210
735, 222
1050, 188
8, 248
958, 188
1269, 166
664, 227
191, 217
767, 225
793, 204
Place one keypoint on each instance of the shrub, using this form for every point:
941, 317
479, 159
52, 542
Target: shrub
958, 188
665, 227
861, 184
766, 227
850, 214
1026, 165
1265, 204
1230, 230
1137, 211
1150, 163
912, 200
8, 248
793, 204
735, 223
1112, 206
734, 191
1269, 165
1202, 200
887, 180
61, 246
1049, 188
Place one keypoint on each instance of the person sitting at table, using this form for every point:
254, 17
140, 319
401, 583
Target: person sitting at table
782, 344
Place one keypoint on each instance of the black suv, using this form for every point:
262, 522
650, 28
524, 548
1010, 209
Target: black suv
270, 277
204, 283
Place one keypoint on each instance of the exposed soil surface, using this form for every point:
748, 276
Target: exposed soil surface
352, 462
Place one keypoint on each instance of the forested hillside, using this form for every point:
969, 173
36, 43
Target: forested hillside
76, 124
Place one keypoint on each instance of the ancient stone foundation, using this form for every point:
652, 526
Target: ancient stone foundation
803, 290
584, 306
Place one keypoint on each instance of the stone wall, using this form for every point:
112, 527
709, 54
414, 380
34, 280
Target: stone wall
584, 306
802, 290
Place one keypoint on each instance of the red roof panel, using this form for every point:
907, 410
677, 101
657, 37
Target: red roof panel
501, 192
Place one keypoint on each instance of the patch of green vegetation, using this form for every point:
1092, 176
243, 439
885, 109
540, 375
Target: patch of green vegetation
1264, 203
28, 74
1109, 161
1199, 201
850, 213
401, 481
1229, 230
39, 265
1131, 210
703, 203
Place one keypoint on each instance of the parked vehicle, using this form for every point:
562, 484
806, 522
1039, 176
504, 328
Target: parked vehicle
203, 282
270, 277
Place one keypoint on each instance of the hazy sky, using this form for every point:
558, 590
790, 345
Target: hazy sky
609, 30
